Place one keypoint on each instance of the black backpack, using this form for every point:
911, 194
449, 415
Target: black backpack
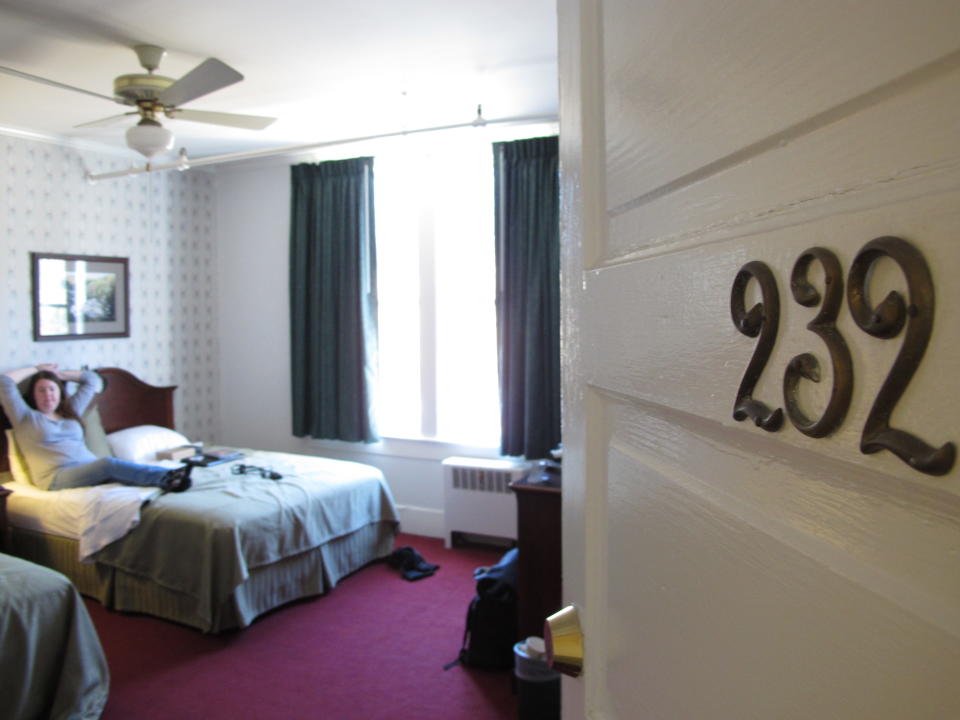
492, 617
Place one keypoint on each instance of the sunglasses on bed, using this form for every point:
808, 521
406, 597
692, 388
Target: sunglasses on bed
255, 470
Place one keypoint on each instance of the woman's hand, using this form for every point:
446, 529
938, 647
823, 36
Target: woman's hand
64, 375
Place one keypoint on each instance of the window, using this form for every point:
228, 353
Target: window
437, 290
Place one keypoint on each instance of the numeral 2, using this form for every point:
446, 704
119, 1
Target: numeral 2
762, 319
885, 321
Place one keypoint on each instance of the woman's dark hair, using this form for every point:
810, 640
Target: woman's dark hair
65, 408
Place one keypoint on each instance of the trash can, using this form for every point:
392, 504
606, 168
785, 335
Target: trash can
538, 687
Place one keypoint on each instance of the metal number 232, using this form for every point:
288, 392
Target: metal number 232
886, 320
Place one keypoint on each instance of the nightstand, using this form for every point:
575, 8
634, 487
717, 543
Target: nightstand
5, 544
539, 563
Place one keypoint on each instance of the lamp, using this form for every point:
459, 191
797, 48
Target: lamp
148, 137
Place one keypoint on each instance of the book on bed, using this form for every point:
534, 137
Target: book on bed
215, 456
179, 453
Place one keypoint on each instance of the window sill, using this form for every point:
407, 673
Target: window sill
417, 449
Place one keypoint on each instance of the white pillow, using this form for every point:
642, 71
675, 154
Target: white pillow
141, 444
18, 464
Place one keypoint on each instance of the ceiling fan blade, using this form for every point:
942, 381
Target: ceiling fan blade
247, 122
107, 121
210, 75
54, 83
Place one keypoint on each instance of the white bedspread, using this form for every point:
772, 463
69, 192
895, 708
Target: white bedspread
94, 516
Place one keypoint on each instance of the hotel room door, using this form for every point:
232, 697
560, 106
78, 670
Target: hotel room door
722, 569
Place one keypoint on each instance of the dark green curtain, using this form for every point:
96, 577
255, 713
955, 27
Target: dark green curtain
333, 299
528, 295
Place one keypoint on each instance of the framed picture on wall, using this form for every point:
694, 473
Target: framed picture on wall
77, 297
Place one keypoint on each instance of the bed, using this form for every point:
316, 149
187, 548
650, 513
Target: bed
53, 664
222, 553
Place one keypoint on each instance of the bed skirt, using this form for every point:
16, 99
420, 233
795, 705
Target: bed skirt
310, 573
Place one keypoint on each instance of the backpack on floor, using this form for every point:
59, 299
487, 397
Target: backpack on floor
491, 629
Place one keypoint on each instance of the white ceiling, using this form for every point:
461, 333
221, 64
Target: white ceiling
327, 69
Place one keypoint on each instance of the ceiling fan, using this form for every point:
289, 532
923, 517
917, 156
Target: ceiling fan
156, 95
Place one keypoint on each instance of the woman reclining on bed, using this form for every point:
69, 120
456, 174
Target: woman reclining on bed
46, 423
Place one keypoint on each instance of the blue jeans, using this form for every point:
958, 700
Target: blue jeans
108, 469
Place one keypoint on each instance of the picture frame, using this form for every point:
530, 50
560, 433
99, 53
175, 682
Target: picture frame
79, 297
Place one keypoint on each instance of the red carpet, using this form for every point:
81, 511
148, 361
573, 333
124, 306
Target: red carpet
373, 648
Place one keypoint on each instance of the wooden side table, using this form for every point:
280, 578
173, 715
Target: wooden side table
539, 563
5, 544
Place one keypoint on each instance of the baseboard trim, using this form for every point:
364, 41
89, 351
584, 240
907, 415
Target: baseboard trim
421, 521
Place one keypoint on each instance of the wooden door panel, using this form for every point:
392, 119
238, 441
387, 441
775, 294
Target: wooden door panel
677, 346
735, 620
688, 84
902, 144
846, 517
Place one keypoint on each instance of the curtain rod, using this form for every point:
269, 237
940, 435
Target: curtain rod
185, 163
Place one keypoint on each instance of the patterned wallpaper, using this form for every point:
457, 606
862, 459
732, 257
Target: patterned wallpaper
163, 222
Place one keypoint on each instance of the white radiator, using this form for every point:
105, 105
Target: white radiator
477, 498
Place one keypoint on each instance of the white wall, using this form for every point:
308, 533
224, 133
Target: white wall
253, 217
252, 209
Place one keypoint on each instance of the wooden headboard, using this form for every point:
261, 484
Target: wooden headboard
126, 401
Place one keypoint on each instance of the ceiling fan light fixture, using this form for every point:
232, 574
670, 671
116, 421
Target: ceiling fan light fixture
149, 138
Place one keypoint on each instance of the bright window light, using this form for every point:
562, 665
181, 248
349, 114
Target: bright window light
468, 402
437, 291
398, 410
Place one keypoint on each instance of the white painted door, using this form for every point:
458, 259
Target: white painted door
721, 570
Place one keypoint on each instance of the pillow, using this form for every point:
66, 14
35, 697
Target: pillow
18, 464
141, 444
93, 433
